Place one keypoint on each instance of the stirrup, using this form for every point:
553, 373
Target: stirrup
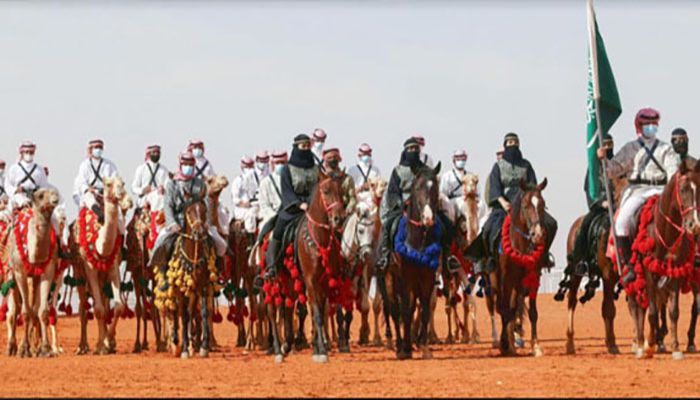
581, 269
453, 264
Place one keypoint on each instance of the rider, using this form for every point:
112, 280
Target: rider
24, 178
89, 181
596, 207
504, 187
318, 140
270, 196
649, 163
203, 168
297, 181
424, 157
331, 164
679, 140
395, 197
150, 176
364, 170
244, 191
184, 189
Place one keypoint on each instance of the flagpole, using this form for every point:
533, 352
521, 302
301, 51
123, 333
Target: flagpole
599, 132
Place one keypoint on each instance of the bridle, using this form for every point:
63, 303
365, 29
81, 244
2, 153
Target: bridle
683, 213
327, 208
529, 224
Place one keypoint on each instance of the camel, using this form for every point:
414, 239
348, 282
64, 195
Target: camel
33, 270
97, 253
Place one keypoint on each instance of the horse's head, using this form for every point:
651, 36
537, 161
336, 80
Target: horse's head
331, 198
364, 230
45, 201
196, 219
531, 210
216, 184
115, 193
688, 197
425, 196
377, 187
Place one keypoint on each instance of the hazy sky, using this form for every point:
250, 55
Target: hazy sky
249, 76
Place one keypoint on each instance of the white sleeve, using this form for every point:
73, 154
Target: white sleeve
445, 186
137, 186
671, 161
10, 181
81, 180
41, 180
266, 206
237, 191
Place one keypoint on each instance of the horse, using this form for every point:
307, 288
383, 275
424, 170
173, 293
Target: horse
242, 275
519, 265
607, 271
357, 245
320, 262
411, 275
189, 283
663, 258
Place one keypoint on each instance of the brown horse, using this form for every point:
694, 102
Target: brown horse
527, 236
189, 284
406, 280
608, 273
674, 226
320, 259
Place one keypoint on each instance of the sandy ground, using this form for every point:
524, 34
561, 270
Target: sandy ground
456, 370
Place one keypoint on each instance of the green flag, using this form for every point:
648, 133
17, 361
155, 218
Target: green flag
603, 100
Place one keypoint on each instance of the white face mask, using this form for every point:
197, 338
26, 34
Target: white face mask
318, 146
279, 168
460, 164
198, 152
97, 152
28, 158
365, 159
261, 166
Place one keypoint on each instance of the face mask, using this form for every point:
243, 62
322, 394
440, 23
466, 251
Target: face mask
28, 158
649, 131
318, 146
279, 168
97, 152
365, 159
609, 154
155, 158
187, 170
198, 152
333, 164
261, 166
460, 164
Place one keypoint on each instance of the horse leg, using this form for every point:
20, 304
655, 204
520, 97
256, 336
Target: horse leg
275, 334
653, 318
507, 305
674, 313
694, 311
433, 337
491, 308
408, 309
425, 302
319, 312
662, 331
572, 301
204, 348
448, 311
533, 314
186, 326
608, 310
364, 315
301, 342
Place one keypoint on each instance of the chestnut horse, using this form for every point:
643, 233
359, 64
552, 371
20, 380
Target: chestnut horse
320, 262
527, 236
674, 226
405, 281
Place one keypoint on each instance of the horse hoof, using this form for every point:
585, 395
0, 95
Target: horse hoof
519, 343
137, 348
321, 359
184, 355
662, 348
613, 350
450, 340
570, 348
677, 355
427, 355
12, 349
495, 344
203, 353
144, 346
285, 348
344, 349
691, 348
537, 352
377, 342
279, 358
82, 350
403, 355
639, 353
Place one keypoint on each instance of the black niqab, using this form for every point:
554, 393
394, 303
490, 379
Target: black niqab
302, 158
512, 154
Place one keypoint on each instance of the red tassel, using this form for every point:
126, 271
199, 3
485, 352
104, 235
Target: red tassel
268, 299
69, 310
62, 307
289, 303
278, 301
245, 311
302, 299
332, 283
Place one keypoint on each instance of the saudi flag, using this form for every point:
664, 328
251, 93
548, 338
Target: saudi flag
603, 100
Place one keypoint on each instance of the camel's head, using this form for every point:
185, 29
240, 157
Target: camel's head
115, 192
378, 186
216, 184
45, 201
470, 184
